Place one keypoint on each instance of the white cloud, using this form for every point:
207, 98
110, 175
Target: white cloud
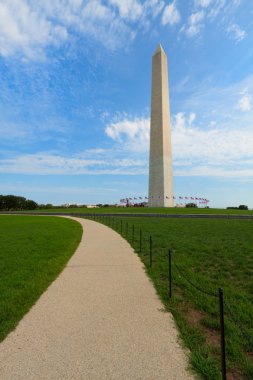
212, 151
192, 117
46, 164
23, 29
235, 32
195, 18
128, 9
203, 3
195, 24
28, 27
212, 145
245, 103
209, 171
154, 6
216, 9
132, 133
171, 15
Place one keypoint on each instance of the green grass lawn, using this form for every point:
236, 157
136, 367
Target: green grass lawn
147, 210
33, 252
211, 254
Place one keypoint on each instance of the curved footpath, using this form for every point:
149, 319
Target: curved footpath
100, 319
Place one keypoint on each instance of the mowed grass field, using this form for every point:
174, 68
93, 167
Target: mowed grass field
33, 251
206, 254
146, 210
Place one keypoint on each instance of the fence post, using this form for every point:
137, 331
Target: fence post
222, 335
170, 272
133, 234
126, 229
150, 252
121, 227
140, 238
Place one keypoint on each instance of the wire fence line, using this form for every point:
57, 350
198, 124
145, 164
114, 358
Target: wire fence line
141, 240
211, 294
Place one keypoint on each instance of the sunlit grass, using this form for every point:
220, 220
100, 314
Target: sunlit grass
33, 252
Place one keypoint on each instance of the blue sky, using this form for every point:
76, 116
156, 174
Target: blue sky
75, 86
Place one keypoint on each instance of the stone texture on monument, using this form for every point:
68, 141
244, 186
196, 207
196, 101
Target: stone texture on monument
160, 159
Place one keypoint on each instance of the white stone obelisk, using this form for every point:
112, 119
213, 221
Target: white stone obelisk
160, 157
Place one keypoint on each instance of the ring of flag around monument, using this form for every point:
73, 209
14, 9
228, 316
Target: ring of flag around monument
144, 199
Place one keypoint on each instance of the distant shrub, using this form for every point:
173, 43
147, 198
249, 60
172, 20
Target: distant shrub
191, 205
47, 206
243, 207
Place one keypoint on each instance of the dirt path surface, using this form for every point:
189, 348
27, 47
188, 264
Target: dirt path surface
101, 319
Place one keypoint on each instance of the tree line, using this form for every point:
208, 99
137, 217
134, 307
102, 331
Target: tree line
16, 203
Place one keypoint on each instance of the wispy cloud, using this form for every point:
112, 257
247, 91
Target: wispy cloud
48, 164
213, 151
235, 32
217, 172
245, 103
28, 28
128, 9
195, 24
171, 14
213, 145
216, 8
131, 133
203, 3
23, 28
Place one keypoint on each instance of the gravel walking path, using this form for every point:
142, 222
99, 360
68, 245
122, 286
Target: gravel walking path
100, 320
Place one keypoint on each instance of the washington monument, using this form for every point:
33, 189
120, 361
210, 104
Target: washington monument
160, 156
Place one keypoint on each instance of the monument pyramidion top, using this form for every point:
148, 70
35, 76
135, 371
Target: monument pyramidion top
159, 49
